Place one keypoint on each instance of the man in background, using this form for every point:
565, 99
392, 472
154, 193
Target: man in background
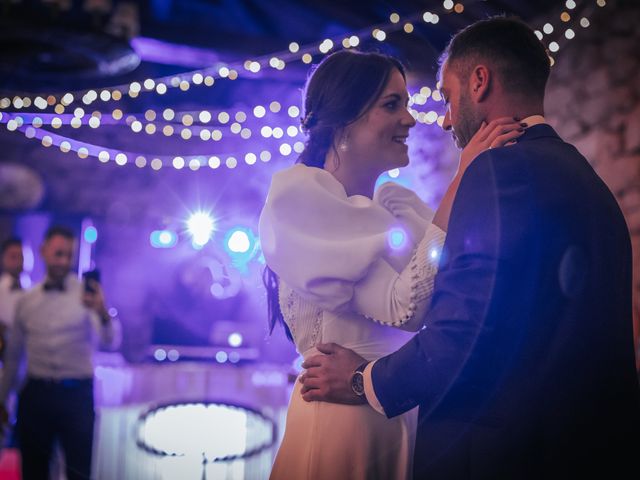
10, 287
58, 325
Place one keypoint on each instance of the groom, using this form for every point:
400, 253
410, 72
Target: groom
525, 367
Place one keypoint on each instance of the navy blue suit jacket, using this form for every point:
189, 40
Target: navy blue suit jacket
525, 368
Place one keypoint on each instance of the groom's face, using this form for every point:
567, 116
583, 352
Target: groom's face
462, 117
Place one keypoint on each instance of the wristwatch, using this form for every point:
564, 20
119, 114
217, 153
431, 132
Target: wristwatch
357, 381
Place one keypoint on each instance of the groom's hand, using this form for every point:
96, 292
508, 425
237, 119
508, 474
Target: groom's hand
328, 377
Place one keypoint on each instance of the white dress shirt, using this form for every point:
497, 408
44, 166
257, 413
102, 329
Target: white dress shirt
8, 299
58, 333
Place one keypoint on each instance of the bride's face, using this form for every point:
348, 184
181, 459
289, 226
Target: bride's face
378, 140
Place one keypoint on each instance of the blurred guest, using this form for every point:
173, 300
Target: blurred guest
10, 286
57, 324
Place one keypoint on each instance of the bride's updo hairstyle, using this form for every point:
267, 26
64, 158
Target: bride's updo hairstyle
340, 90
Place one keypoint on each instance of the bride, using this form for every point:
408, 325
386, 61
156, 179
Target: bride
350, 265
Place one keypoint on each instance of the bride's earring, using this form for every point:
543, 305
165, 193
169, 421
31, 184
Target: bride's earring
343, 146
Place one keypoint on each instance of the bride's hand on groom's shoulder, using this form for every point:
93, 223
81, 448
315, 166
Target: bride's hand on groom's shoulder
497, 133
327, 377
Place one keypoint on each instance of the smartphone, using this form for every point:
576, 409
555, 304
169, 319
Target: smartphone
91, 275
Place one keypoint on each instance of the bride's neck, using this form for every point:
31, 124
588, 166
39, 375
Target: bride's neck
355, 181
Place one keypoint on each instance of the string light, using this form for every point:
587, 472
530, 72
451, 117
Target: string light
183, 82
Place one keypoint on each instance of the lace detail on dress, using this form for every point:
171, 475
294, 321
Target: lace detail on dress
303, 318
420, 276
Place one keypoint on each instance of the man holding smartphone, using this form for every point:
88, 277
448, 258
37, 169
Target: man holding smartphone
58, 324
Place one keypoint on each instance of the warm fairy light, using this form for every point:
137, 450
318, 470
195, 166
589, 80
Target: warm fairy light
161, 88
266, 131
292, 131
285, 149
156, 164
186, 134
12, 125
235, 128
94, 122
140, 161
233, 74
259, 111
554, 47
56, 122
135, 87
103, 156
584, 22
307, 58
136, 126
277, 132
117, 94
223, 117
245, 133
205, 135
394, 18
250, 158
47, 141
548, 28
204, 117
150, 115
223, 72
565, 17
194, 164
569, 34
408, 28
39, 102
121, 159
216, 135
197, 78
265, 156
37, 122
66, 99
538, 34
184, 85
380, 35
167, 130
437, 96
298, 147
214, 162
149, 83
168, 114
187, 120
76, 122
293, 111
105, 95
150, 129
83, 152
570, 4
294, 47
354, 41
59, 109
231, 162
178, 163
447, 4
458, 8
240, 116
601, 3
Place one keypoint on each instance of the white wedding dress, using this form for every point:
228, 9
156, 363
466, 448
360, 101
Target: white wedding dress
357, 272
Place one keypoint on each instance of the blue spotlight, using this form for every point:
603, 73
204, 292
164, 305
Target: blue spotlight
163, 239
200, 226
240, 245
397, 238
90, 234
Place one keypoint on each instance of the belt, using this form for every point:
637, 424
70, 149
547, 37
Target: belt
62, 382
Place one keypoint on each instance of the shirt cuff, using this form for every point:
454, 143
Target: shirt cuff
369, 391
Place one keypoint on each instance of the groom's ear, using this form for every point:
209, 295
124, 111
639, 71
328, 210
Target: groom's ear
481, 78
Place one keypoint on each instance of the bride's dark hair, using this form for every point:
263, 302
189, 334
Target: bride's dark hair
339, 90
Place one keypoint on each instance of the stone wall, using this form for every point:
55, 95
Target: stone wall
593, 100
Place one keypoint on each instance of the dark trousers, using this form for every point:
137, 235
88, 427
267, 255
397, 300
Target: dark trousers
55, 410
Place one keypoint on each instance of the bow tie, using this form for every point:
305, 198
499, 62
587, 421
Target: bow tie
16, 285
50, 286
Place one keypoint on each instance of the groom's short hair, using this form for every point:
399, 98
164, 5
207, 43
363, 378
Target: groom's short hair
508, 45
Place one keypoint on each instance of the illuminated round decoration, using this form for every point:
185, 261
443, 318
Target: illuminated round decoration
83, 152
240, 116
161, 88
76, 122
47, 141
103, 156
223, 117
245, 133
250, 158
293, 111
56, 122
294, 47
168, 114
231, 162
194, 164
65, 146
156, 164
204, 117
221, 432
30, 132
121, 159
216, 135
140, 161
214, 162
178, 163
265, 156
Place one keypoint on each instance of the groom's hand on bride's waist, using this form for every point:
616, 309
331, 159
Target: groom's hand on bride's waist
328, 377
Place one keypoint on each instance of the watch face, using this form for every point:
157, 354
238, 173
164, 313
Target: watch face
357, 383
